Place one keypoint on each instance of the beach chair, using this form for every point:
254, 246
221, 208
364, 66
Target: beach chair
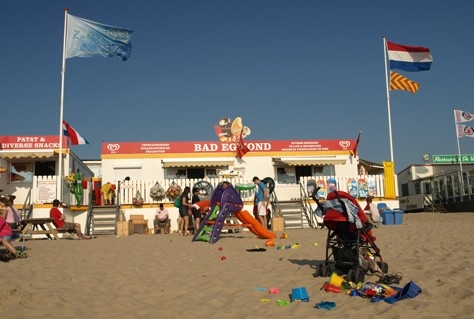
140, 224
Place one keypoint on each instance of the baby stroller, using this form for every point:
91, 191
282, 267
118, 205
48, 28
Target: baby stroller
350, 244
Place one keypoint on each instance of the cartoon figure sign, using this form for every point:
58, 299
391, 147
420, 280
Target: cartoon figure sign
352, 187
332, 184
363, 188
322, 192
229, 131
371, 186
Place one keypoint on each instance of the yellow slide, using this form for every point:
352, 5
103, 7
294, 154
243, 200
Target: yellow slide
256, 228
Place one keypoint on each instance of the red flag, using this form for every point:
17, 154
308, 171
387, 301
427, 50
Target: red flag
241, 148
354, 151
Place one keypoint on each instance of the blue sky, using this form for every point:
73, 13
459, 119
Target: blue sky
290, 69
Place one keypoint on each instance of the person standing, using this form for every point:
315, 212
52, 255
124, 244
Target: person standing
185, 211
195, 209
261, 201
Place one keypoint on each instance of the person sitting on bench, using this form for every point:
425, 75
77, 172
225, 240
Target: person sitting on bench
59, 220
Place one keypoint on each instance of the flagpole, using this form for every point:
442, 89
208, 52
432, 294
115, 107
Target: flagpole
59, 184
459, 152
387, 84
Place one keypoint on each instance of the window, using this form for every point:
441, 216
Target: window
45, 168
21, 172
195, 173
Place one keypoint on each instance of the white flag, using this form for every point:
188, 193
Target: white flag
462, 116
465, 130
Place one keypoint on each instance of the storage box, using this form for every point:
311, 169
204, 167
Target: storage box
278, 223
124, 229
398, 216
387, 217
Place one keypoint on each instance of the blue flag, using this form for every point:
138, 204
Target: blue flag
87, 38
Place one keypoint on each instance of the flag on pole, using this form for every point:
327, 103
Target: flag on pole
465, 130
354, 150
87, 38
462, 116
399, 82
409, 58
74, 136
241, 148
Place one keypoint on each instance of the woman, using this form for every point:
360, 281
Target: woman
184, 211
6, 236
10, 213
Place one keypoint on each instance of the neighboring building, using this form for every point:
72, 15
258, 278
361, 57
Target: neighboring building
424, 186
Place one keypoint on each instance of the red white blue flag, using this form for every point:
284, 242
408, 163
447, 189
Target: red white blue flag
74, 136
409, 58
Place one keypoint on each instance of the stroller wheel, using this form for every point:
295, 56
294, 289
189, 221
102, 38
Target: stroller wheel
359, 275
326, 271
383, 266
319, 271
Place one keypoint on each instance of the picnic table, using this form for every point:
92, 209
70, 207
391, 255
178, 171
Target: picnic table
34, 226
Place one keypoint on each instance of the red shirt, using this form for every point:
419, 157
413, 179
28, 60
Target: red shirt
56, 214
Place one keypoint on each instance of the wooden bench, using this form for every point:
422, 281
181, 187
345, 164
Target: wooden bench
44, 226
140, 224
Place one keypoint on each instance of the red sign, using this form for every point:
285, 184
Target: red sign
213, 147
34, 142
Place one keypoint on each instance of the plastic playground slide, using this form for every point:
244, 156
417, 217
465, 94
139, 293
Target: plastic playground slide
256, 228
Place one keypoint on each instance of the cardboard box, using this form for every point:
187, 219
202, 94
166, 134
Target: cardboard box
278, 223
124, 229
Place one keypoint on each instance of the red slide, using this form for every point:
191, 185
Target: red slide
256, 227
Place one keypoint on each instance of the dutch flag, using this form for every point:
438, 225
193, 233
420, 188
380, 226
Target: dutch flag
73, 135
409, 58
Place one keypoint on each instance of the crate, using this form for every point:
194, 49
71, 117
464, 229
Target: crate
278, 223
124, 229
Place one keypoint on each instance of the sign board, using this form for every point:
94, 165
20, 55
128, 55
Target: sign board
453, 159
46, 191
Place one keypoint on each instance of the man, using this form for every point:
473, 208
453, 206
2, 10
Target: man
261, 200
162, 217
59, 220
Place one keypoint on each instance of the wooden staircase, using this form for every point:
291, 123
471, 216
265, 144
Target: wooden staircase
103, 220
293, 214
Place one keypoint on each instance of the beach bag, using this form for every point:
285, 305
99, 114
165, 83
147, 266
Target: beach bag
177, 202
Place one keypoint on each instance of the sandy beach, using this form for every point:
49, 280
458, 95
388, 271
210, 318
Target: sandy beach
168, 276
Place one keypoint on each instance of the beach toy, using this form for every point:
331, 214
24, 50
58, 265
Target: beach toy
331, 288
299, 294
219, 249
295, 246
274, 291
336, 280
259, 289
264, 300
282, 303
326, 305
284, 236
270, 242
223, 258
315, 244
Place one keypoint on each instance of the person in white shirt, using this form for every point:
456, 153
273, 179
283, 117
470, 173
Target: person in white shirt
162, 217
372, 211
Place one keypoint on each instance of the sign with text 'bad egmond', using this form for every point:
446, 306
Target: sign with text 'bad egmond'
453, 159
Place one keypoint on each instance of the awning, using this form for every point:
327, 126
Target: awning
310, 160
194, 162
27, 154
